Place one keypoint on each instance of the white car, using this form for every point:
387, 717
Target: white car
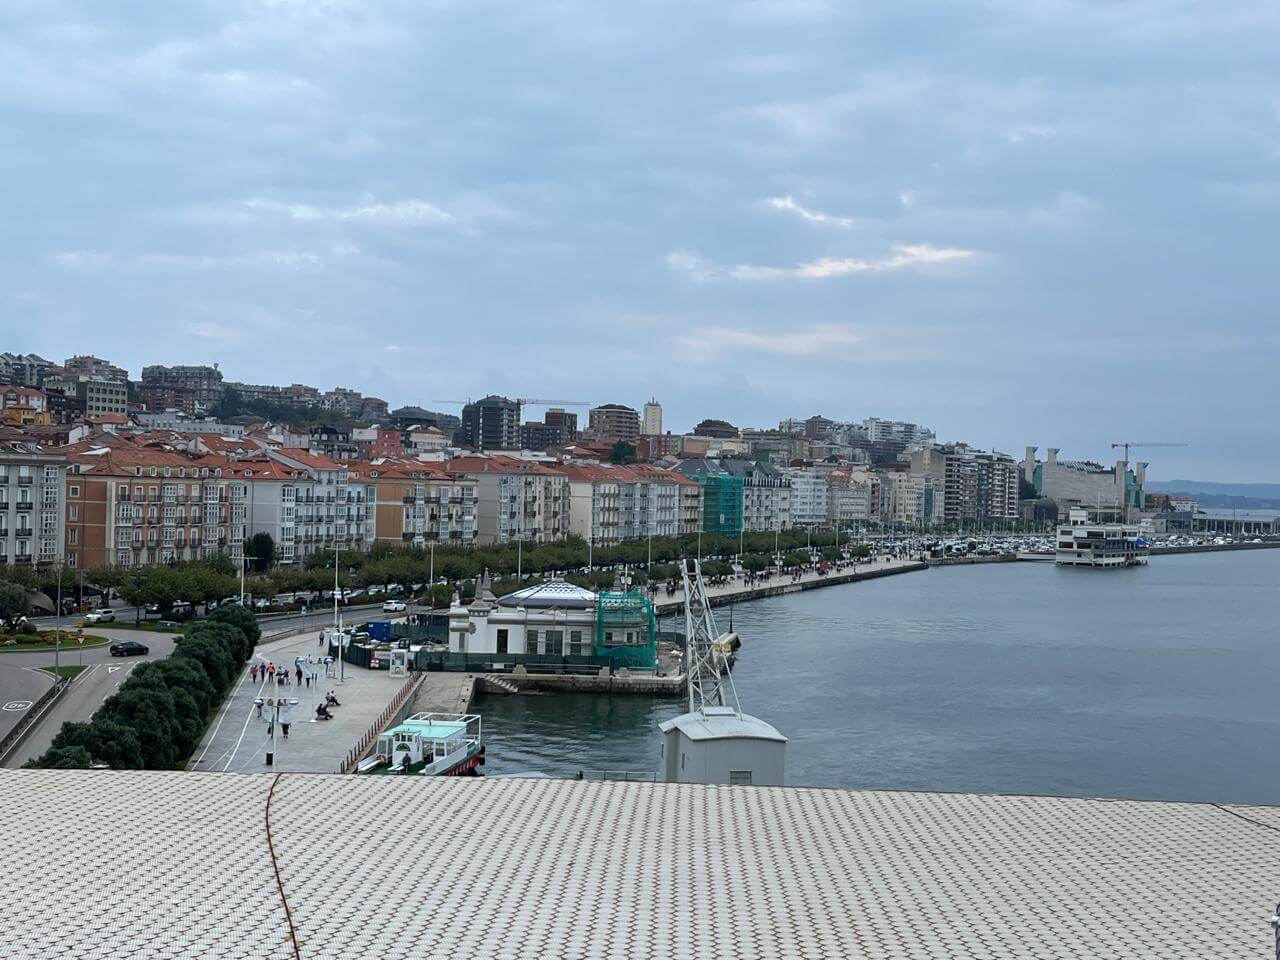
394, 606
105, 615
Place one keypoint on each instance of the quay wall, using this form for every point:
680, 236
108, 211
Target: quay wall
779, 589
636, 684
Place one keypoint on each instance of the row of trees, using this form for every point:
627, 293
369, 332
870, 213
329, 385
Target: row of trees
157, 717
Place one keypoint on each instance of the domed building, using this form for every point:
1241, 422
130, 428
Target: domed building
557, 620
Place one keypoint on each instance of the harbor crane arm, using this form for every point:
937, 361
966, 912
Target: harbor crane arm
1130, 444
709, 682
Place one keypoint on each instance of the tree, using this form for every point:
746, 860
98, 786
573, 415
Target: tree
623, 452
105, 741
1027, 489
15, 603
260, 550
242, 618
63, 758
755, 563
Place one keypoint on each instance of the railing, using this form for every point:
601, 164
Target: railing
356, 753
626, 776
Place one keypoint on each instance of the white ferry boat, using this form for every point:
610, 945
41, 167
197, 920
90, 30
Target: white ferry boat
1081, 543
429, 745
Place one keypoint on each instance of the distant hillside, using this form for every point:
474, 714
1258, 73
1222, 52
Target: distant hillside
1245, 496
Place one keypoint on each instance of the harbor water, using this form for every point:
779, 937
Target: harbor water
1157, 682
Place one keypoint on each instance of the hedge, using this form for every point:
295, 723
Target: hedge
157, 717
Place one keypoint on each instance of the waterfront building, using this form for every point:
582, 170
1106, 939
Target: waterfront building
329, 508
997, 486
1083, 483
32, 503
614, 421
763, 493
906, 499
128, 506
1083, 542
557, 620
853, 497
417, 503
492, 423
516, 499
609, 503
809, 493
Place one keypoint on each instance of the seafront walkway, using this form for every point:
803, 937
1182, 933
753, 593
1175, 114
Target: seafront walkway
238, 739
739, 588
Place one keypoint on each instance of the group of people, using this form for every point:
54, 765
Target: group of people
322, 709
281, 675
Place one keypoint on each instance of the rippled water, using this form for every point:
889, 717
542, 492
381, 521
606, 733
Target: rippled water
1159, 682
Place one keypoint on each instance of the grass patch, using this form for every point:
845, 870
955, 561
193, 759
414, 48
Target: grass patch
69, 672
37, 643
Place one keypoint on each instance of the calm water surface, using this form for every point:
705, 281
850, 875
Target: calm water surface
1158, 683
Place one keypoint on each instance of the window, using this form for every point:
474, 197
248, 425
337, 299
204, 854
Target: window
576, 646
555, 643
739, 778
531, 641
73, 535
74, 490
73, 512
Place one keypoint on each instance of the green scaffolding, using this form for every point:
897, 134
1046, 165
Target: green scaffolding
626, 631
721, 504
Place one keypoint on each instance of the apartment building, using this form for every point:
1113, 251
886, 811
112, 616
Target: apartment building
691, 500
127, 506
313, 503
94, 396
416, 503
764, 494
809, 493
651, 424
906, 499
32, 493
24, 369
516, 499
609, 503
853, 497
492, 423
192, 389
998, 477
614, 421
24, 406
96, 368
953, 474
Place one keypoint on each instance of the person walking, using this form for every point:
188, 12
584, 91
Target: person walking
271, 671
320, 639
253, 673
299, 669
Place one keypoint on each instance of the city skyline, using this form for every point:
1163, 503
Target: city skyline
749, 211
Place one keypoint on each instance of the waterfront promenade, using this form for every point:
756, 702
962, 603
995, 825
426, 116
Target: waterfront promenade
347, 868
736, 588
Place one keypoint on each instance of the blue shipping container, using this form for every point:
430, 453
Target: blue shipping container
380, 631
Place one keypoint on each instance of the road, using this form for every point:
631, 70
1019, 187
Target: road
22, 681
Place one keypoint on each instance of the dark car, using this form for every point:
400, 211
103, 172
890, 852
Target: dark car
129, 648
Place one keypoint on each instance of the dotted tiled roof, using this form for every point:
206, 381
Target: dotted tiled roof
100, 865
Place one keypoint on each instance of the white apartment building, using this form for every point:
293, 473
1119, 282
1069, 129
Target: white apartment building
608, 504
853, 497
651, 424
515, 499
906, 499
809, 494
32, 504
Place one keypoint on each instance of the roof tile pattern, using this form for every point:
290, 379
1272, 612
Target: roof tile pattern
175, 865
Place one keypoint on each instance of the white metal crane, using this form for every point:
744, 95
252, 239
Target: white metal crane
1130, 444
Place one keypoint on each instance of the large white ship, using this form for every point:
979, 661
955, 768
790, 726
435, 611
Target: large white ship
1082, 543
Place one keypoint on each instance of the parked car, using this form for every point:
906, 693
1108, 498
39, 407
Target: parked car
129, 648
104, 615
394, 606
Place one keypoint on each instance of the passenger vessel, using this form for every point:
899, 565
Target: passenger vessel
1081, 543
429, 745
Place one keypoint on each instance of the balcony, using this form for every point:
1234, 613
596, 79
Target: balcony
25, 482
24, 506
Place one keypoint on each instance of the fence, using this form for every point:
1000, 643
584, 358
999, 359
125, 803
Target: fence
403, 696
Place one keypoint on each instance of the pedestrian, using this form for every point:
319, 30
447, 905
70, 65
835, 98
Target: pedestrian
320, 639
271, 670
299, 674
253, 673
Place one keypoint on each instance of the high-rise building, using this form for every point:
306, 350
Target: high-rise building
491, 424
652, 425
567, 422
192, 389
91, 366
32, 497
615, 422
93, 396
24, 369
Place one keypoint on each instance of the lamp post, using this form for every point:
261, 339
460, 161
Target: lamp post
57, 628
278, 712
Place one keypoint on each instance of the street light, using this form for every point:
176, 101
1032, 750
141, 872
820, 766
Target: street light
279, 711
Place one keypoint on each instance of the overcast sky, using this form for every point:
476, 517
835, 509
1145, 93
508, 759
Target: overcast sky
1016, 221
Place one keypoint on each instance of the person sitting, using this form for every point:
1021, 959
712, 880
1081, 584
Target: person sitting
331, 700
322, 712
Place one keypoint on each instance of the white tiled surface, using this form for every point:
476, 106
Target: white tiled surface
131, 865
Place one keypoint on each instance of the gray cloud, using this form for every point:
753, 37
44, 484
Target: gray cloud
292, 187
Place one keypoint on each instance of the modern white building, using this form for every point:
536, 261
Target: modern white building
651, 425
516, 499
32, 504
609, 503
808, 494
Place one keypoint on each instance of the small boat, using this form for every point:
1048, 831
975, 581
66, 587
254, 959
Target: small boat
429, 745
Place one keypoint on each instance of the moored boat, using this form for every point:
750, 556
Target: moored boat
429, 745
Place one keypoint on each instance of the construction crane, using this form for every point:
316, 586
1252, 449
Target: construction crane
522, 401
1130, 444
